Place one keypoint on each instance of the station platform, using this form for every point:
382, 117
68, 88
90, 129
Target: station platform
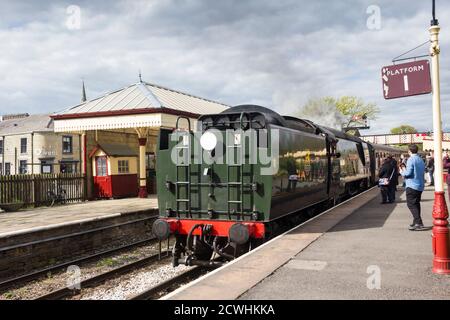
44, 217
34, 239
360, 249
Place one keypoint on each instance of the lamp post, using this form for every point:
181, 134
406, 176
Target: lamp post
440, 233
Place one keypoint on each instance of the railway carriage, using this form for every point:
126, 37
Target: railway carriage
225, 188
380, 152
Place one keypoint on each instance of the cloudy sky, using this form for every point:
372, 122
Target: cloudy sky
274, 53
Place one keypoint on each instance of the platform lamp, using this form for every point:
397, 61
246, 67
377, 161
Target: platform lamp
440, 233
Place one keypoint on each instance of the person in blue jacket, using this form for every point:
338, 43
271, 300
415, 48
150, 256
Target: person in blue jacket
414, 176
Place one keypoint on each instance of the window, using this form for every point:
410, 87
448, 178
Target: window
67, 167
67, 144
23, 145
151, 161
1, 147
7, 168
23, 166
164, 139
46, 166
124, 166
101, 167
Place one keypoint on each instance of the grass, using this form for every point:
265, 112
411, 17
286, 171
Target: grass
107, 262
8, 295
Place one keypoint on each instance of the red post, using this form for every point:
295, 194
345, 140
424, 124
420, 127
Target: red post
440, 235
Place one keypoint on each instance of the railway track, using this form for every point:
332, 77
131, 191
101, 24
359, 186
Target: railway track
23, 279
91, 282
167, 286
170, 285
154, 292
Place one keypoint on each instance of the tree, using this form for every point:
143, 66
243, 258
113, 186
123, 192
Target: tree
404, 128
355, 110
346, 111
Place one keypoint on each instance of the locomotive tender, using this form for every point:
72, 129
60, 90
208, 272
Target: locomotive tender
220, 196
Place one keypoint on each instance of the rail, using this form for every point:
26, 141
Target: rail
169, 285
102, 277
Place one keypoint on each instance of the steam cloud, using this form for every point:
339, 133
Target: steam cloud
323, 113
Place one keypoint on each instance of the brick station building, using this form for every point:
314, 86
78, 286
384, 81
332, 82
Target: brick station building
131, 118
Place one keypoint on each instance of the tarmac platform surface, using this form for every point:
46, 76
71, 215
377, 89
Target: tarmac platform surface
360, 249
29, 220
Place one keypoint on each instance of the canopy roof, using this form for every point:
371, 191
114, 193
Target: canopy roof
139, 105
114, 150
144, 95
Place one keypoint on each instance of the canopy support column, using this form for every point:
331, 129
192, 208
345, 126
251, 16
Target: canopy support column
142, 137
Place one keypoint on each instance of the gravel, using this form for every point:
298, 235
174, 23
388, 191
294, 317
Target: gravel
133, 283
59, 279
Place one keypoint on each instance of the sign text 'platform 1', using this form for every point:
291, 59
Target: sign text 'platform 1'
406, 79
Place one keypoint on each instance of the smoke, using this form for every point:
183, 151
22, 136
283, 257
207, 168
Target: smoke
322, 112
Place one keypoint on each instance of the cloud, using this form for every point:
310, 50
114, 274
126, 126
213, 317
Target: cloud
275, 53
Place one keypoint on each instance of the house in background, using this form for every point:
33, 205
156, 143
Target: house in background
29, 145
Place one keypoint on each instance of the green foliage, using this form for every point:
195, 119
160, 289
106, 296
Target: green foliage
107, 262
9, 295
353, 109
346, 111
404, 128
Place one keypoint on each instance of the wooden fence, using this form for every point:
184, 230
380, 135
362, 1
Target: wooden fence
41, 189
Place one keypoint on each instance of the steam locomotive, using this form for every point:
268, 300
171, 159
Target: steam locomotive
229, 185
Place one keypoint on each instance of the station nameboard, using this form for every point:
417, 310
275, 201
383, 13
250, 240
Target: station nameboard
406, 79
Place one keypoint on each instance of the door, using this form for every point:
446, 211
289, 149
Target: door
7, 168
102, 182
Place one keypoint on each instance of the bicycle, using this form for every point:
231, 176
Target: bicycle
59, 197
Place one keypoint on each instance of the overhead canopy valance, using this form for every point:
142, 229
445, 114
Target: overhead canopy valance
119, 121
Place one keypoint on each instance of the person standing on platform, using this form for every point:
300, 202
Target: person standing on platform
430, 169
394, 181
403, 161
414, 176
386, 174
447, 166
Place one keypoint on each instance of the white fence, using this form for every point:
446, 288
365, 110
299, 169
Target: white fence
402, 138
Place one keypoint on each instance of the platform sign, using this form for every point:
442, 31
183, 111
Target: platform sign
406, 79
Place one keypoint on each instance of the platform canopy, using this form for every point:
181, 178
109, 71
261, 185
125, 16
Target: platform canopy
141, 105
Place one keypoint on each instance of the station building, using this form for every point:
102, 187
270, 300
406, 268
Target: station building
128, 120
29, 145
